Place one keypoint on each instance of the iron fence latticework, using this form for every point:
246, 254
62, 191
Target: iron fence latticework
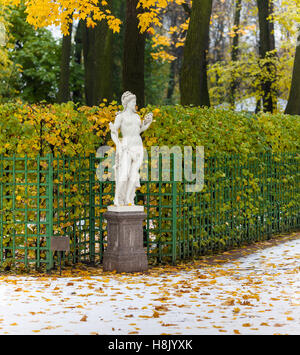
244, 200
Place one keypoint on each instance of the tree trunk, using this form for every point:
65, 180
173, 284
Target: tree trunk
89, 65
267, 45
293, 105
97, 53
134, 54
171, 84
103, 64
77, 92
172, 72
193, 78
64, 80
119, 9
235, 49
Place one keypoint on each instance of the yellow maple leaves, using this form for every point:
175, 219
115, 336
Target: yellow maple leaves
42, 13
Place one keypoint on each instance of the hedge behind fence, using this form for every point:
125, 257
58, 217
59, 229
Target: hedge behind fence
71, 130
48, 183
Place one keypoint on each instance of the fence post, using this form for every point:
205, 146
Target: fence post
174, 211
49, 211
92, 208
1, 210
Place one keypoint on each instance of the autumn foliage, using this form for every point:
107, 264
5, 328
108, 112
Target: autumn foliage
71, 134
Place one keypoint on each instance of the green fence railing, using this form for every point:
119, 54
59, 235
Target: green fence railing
244, 199
26, 210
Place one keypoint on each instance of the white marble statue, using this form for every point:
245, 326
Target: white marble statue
129, 149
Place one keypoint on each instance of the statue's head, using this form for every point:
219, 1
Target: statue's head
128, 99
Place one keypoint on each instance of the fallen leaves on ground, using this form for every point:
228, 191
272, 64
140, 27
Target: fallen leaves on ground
257, 293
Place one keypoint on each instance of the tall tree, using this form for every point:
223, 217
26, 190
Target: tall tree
88, 39
64, 78
118, 47
193, 81
171, 83
293, 105
266, 52
35, 57
176, 15
235, 48
77, 77
97, 50
134, 54
103, 63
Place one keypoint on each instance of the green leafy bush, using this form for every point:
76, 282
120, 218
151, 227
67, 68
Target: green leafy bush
251, 180
225, 131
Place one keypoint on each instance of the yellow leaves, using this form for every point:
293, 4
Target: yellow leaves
161, 308
90, 22
160, 40
114, 23
251, 296
228, 302
59, 128
245, 303
42, 13
246, 325
161, 43
215, 309
179, 44
193, 296
163, 55
155, 314
47, 299
148, 19
156, 111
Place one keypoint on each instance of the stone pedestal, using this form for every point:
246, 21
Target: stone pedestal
125, 252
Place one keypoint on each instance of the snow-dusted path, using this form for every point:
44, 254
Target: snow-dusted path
257, 294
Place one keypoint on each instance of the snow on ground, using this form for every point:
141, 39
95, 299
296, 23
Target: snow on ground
257, 294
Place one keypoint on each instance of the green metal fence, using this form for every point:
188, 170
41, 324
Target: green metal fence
244, 199
26, 210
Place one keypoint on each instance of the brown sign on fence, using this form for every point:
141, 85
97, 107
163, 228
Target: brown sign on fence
59, 243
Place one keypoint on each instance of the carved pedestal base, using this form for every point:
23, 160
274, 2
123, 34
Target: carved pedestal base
125, 252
